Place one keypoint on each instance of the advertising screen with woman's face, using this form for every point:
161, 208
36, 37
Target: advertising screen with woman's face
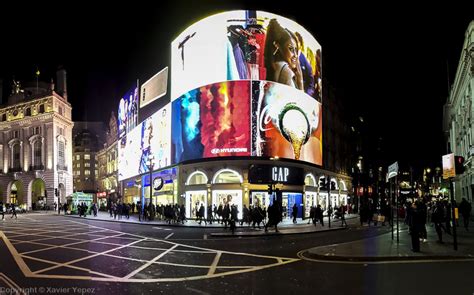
246, 45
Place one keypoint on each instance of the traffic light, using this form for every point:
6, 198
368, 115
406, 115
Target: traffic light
333, 186
56, 193
459, 164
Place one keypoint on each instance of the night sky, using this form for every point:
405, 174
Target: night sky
389, 64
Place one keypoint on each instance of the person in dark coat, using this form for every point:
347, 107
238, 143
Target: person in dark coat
437, 217
1, 211
415, 224
201, 214
294, 212
14, 211
465, 210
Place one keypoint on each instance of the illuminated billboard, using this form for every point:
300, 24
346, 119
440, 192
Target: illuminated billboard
212, 121
245, 45
147, 144
128, 111
154, 88
286, 123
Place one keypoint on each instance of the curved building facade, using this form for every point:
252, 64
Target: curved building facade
244, 113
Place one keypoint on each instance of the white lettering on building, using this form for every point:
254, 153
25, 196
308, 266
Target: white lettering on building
280, 174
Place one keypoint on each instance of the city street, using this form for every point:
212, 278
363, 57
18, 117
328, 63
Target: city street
43, 252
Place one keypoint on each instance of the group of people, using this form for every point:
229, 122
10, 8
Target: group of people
3, 209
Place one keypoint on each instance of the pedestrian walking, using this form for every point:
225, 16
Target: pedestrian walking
343, 216
437, 217
1, 211
13, 211
415, 224
294, 212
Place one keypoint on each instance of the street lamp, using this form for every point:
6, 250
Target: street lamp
150, 165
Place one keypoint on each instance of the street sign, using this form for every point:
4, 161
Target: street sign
392, 170
448, 166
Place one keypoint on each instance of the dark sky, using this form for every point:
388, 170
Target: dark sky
389, 63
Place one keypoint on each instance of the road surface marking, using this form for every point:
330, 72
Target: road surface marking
168, 248
14, 288
168, 236
149, 263
212, 269
163, 228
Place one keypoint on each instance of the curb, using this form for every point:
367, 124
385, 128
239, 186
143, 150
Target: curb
180, 225
271, 233
307, 254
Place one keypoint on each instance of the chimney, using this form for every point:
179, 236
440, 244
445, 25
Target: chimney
61, 87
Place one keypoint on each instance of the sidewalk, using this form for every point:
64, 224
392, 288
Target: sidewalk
285, 227
383, 248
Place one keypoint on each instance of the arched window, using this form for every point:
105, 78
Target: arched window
227, 176
310, 180
197, 177
37, 154
28, 112
41, 109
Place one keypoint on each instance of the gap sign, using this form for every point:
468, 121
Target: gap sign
266, 174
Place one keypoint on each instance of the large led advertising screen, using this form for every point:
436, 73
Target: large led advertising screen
212, 121
128, 111
245, 45
286, 123
147, 143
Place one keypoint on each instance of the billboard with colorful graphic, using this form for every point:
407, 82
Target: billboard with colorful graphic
146, 145
212, 121
128, 112
246, 45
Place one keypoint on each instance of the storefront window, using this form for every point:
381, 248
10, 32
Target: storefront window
194, 200
310, 180
231, 197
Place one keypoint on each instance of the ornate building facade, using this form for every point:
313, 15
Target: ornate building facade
36, 145
458, 122
108, 160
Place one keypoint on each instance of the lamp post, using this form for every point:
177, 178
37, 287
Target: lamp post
150, 170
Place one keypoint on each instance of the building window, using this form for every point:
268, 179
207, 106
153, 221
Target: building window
41, 109
87, 164
37, 153
78, 157
16, 156
15, 134
60, 111
78, 165
28, 112
4, 117
87, 157
87, 172
61, 160
36, 130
